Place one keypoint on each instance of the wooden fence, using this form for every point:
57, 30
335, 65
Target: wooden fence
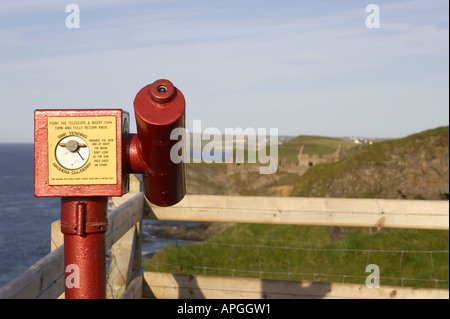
127, 279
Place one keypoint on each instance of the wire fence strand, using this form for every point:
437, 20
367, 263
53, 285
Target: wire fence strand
397, 266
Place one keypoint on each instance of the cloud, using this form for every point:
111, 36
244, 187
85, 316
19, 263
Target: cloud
26, 7
242, 65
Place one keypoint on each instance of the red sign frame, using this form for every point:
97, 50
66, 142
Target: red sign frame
41, 153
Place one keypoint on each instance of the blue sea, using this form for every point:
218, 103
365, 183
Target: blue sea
25, 220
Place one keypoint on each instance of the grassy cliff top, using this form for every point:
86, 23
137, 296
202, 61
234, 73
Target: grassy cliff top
378, 166
319, 145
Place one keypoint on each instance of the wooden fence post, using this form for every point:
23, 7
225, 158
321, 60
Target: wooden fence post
126, 252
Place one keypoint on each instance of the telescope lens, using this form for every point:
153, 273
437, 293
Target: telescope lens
162, 89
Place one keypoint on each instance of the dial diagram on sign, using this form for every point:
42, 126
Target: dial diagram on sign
72, 152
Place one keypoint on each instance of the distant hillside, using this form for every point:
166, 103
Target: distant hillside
415, 167
319, 145
244, 179
230, 179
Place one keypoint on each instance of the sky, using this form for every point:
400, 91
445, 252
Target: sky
304, 67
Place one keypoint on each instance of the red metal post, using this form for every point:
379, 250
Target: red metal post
83, 223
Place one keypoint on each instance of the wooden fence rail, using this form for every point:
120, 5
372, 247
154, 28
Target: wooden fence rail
126, 278
413, 214
174, 286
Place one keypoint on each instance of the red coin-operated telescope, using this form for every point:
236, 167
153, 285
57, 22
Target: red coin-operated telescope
85, 156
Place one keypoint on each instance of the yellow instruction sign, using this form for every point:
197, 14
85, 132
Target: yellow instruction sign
82, 150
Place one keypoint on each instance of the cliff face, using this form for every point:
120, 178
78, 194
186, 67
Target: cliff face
425, 174
416, 167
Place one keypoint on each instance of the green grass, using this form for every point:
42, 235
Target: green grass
310, 253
